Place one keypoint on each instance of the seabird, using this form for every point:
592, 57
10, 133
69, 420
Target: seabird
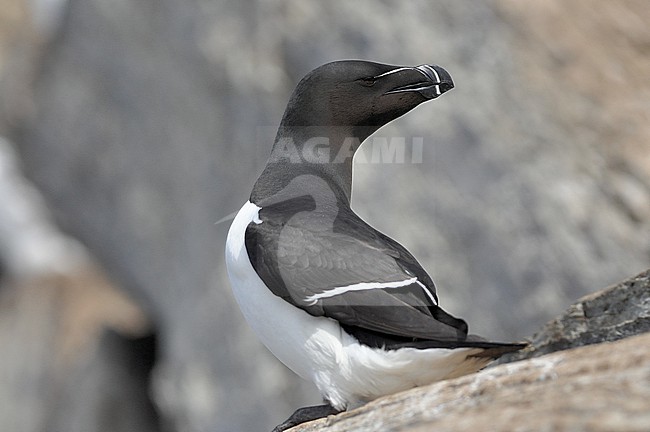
338, 302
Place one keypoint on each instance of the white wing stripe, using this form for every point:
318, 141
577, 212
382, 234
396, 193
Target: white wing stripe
312, 299
427, 292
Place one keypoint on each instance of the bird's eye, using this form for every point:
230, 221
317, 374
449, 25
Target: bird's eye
367, 82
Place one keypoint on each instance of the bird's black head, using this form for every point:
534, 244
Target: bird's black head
362, 95
333, 110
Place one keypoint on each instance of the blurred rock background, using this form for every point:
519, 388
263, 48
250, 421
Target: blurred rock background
130, 127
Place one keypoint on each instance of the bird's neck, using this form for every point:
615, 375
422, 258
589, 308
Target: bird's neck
325, 152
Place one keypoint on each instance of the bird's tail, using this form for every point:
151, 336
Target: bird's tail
492, 349
489, 349
495, 350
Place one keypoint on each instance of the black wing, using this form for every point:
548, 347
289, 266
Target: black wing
336, 265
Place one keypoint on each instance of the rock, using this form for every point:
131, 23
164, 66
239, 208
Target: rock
605, 387
77, 352
77, 356
605, 316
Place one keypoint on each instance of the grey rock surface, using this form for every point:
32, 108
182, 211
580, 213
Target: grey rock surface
76, 352
608, 315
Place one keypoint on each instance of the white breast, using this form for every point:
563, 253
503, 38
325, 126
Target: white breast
317, 349
284, 329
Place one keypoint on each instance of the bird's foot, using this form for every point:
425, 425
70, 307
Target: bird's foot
306, 414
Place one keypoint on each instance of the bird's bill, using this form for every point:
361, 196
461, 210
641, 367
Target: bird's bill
434, 81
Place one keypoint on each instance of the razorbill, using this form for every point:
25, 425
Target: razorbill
338, 302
